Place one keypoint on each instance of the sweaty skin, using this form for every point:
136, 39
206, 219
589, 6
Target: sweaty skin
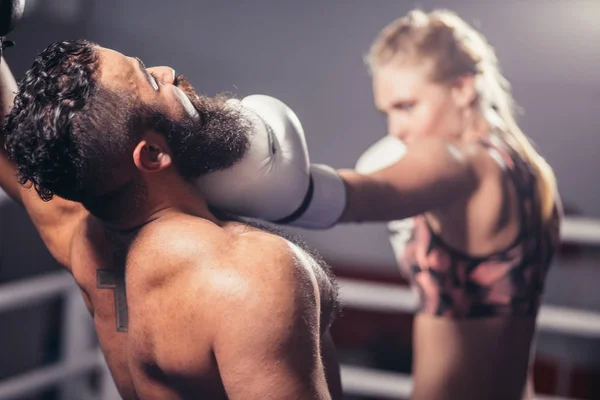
211, 295
185, 305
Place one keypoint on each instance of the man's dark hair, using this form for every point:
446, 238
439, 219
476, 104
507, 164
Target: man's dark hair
60, 117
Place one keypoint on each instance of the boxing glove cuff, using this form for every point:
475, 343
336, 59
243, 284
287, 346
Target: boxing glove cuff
324, 203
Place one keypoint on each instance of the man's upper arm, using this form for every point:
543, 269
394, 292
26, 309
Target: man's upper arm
267, 344
8, 173
431, 174
56, 221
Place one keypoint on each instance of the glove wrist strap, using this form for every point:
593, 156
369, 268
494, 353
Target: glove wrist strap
302, 208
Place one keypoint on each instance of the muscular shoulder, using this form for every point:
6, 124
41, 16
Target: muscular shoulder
231, 281
270, 291
185, 239
226, 265
263, 270
260, 257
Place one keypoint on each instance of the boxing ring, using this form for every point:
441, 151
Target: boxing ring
81, 355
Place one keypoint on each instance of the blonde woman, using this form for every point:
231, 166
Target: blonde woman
485, 204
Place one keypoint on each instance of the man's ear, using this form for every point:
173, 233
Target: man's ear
152, 154
464, 93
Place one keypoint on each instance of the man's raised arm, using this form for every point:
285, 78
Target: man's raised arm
8, 88
55, 220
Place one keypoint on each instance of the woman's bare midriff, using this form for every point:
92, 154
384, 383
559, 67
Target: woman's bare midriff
485, 358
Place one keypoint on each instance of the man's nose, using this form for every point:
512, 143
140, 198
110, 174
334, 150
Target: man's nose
165, 74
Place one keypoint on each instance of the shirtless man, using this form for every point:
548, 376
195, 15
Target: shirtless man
102, 153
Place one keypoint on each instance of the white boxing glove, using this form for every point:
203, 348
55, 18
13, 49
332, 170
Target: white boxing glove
381, 154
275, 181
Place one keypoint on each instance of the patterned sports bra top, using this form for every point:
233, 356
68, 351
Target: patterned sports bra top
510, 282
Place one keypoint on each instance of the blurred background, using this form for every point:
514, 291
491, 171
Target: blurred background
309, 54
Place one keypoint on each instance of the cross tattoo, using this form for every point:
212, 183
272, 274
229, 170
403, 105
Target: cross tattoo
111, 279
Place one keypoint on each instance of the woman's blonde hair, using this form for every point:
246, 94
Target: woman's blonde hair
456, 49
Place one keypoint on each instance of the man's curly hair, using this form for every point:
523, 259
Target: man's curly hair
65, 129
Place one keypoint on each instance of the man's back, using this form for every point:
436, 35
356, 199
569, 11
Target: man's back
185, 308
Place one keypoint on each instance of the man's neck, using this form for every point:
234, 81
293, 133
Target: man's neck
128, 212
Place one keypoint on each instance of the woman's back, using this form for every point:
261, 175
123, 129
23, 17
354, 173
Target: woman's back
479, 268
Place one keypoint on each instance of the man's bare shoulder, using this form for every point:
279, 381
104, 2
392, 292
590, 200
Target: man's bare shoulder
204, 251
225, 272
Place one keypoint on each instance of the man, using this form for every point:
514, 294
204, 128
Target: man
186, 305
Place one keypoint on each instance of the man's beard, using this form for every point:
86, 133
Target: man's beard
215, 141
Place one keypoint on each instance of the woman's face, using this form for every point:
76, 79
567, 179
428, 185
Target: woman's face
416, 107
